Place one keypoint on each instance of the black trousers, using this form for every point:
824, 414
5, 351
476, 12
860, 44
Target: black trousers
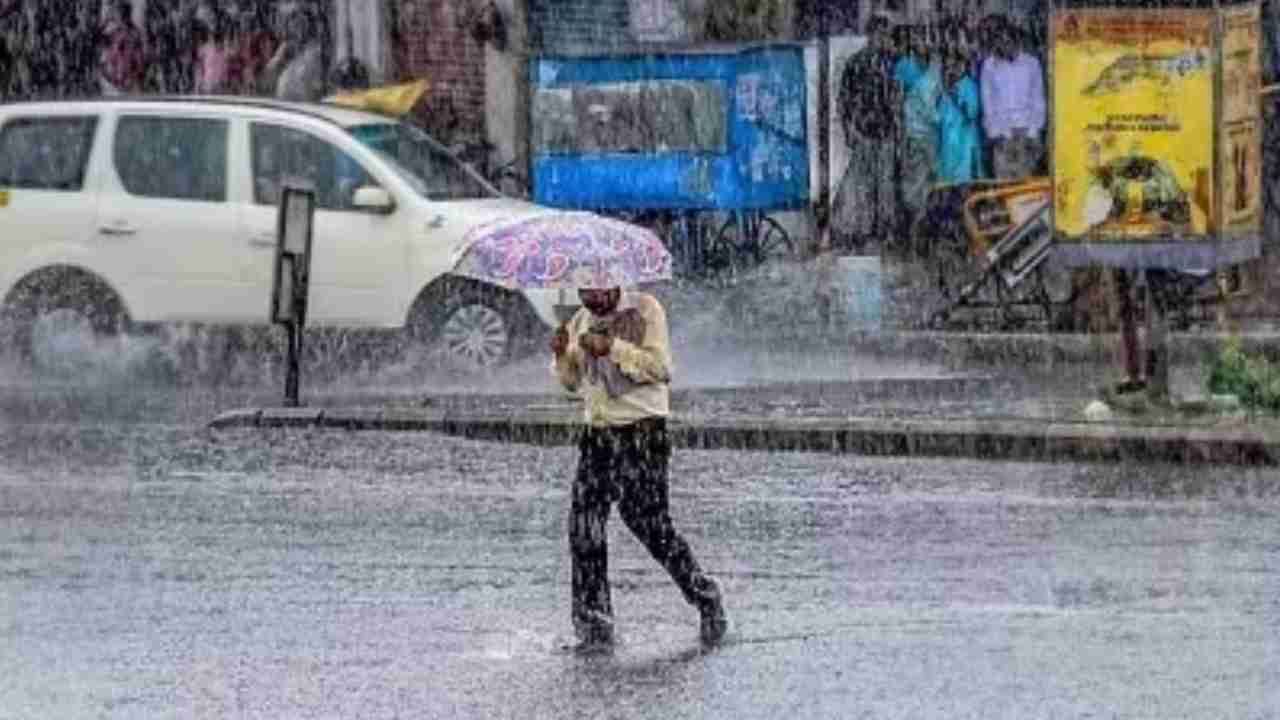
627, 465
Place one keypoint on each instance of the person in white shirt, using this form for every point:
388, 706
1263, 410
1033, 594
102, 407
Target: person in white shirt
1013, 104
616, 354
297, 70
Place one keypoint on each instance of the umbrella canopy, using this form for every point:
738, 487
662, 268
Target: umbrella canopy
563, 251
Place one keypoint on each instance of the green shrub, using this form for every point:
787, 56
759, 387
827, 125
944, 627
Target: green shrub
1252, 379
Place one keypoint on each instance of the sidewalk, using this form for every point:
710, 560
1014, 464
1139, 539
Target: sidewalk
779, 304
756, 370
974, 416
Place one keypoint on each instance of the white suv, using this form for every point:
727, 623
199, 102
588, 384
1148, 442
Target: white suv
126, 213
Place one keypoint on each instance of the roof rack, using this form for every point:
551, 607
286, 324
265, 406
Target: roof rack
290, 106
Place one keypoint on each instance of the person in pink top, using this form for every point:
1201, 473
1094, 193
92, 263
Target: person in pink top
214, 49
252, 47
1013, 103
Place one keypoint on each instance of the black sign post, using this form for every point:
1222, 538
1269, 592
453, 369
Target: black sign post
292, 277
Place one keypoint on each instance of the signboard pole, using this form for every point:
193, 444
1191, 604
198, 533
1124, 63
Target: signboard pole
292, 370
1128, 324
823, 219
1157, 365
292, 279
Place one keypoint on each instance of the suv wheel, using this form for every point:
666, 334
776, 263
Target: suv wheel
477, 334
57, 320
474, 326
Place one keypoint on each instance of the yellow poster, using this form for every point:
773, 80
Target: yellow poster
1240, 124
1241, 62
1133, 123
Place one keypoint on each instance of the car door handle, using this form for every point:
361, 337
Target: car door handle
263, 241
436, 222
118, 229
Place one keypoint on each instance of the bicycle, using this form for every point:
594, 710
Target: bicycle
745, 241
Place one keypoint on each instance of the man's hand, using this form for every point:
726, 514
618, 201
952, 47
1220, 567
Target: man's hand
595, 344
629, 325
560, 341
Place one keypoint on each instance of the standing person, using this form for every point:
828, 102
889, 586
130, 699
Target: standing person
123, 61
959, 115
12, 22
1013, 104
36, 37
8, 64
349, 75
297, 70
865, 207
168, 27
252, 47
213, 49
616, 353
80, 56
921, 82
6, 68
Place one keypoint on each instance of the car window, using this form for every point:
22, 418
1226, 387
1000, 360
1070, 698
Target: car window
283, 155
172, 158
423, 162
46, 153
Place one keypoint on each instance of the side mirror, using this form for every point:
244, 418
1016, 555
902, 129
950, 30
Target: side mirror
373, 199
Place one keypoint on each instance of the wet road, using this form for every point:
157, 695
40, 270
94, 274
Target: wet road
156, 569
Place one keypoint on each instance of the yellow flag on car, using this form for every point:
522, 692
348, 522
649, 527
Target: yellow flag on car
393, 100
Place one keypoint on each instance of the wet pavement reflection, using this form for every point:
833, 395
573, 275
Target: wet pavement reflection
157, 569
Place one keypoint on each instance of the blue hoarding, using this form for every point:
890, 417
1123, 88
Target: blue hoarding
690, 130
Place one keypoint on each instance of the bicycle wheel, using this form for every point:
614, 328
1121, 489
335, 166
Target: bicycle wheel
749, 239
772, 241
722, 262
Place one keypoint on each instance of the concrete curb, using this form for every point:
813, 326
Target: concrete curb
992, 350
1015, 440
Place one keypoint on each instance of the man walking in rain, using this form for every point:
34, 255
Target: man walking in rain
616, 353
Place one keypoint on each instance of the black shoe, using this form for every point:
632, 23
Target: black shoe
713, 627
714, 624
594, 635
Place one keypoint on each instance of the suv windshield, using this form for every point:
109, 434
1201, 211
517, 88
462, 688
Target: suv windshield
430, 168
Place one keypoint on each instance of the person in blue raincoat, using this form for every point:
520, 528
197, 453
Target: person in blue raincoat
959, 117
918, 76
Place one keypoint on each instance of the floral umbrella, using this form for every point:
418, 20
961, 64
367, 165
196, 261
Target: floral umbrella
563, 251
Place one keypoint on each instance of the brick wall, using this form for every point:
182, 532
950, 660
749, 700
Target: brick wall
432, 42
